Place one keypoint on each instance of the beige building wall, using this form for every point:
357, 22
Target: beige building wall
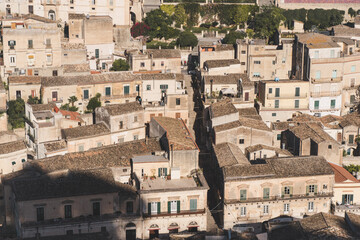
215, 55
26, 90
13, 161
151, 89
142, 62
87, 143
298, 201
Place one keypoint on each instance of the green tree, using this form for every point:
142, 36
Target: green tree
72, 100
180, 16
187, 39
267, 22
16, 113
168, 9
120, 65
241, 14
94, 103
33, 100
159, 23
352, 12
231, 37
67, 107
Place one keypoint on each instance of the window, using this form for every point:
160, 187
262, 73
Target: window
297, 92
13, 163
311, 189
316, 54
142, 64
93, 2
30, 44
121, 140
137, 88
36, 73
243, 194
135, 119
68, 211
121, 125
353, 68
287, 190
193, 204
310, 206
162, 172
96, 208
12, 44
48, 58
256, 74
286, 208
126, 90
352, 82
273, 114
48, 43
243, 211
129, 207
99, 144
31, 60
316, 104
276, 103
162, 63
154, 208
81, 148
164, 86
243, 52
23, 160
257, 62
55, 73
278, 137
97, 53
334, 74
277, 92
18, 94
270, 90
329, 146
242, 63
178, 101
86, 94
266, 193
333, 103
266, 209
273, 62
12, 59
347, 199
283, 60
40, 214
103, 65
317, 74
107, 91
351, 139
136, 137
173, 206
241, 141
324, 186
148, 87
296, 103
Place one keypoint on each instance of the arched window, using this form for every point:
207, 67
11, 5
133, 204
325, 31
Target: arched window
52, 15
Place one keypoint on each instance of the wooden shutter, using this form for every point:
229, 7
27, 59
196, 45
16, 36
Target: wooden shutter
169, 207
165, 171
158, 207
178, 206
159, 172
315, 189
343, 199
149, 208
307, 190
291, 191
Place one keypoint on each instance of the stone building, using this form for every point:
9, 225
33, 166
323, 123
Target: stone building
220, 67
13, 156
208, 52
156, 60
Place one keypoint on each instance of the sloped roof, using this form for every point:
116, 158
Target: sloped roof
316, 40
313, 131
222, 108
10, 147
85, 131
228, 154
350, 119
342, 175
258, 147
55, 145
118, 109
164, 53
221, 63
43, 107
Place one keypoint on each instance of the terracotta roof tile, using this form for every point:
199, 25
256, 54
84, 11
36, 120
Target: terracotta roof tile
342, 175
85, 131
10, 147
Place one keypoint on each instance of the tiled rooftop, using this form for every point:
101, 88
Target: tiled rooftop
342, 175
258, 147
227, 79
85, 131
164, 53
229, 154
10, 147
317, 40
118, 109
55, 146
221, 63
177, 133
43, 107
222, 108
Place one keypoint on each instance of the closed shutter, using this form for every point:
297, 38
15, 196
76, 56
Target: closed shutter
165, 171
169, 207
158, 207
343, 199
351, 198
149, 208
193, 204
178, 206
282, 191
291, 191
315, 189
159, 172
307, 190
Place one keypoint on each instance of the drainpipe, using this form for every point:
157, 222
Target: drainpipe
211, 87
171, 155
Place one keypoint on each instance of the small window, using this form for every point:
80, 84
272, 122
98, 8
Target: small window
278, 137
256, 74
96, 208
273, 114
99, 144
40, 214
353, 68
243, 194
324, 186
108, 91
257, 62
329, 146
148, 87
162, 63
276, 103
297, 103
270, 90
103, 229
243, 52
266, 209
30, 44
86, 94
121, 125
243, 211
332, 103
286, 208
130, 207
136, 137
274, 62
68, 211
283, 60
178, 101
311, 206
13, 163
23, 160
142, 64
241, 141
81, 148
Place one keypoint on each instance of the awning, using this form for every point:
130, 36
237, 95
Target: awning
172, 228
154, 227
191, 226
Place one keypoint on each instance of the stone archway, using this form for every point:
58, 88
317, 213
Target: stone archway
130, 230
52, 15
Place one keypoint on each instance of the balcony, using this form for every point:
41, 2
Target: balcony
325, 94
182, 212
341, 209
286, 96
326, 80
281, 197
112, 97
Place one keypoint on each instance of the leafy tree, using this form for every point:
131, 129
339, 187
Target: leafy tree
67, 107
231, 37
72, 100
352, 168
241, 14
168, 9
159, 23
120, 65
94, 103
193, 12
352, 12
16, 113
33, 100
139, 29
267, 22
187, 39
180, 16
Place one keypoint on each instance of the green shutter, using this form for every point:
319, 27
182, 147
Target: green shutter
266, 193
351, 198
307, 190
178, 206
291, 191
165, 171
315, 189
343, 199
193, 204
149, 208
159, 207
169, 207
159, 172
